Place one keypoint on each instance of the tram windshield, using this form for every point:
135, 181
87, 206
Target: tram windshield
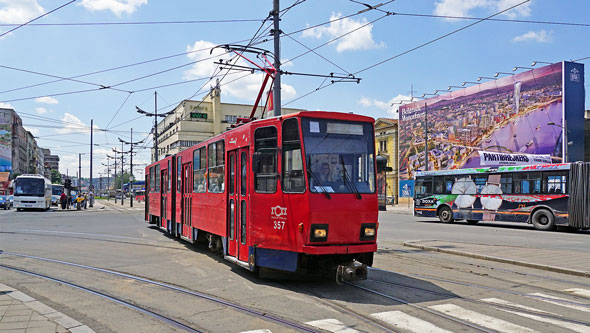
339, 156
34, 187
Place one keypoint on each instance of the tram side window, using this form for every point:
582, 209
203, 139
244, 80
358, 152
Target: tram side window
293, 180
527, 183
216, 176
199, 170
506, 183
157, 171
178, 174
152, 179
265, 168
554, 182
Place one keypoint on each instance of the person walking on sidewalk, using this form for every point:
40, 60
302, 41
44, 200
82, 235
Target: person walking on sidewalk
62, 200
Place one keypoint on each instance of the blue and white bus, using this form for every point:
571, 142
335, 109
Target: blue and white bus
32, 192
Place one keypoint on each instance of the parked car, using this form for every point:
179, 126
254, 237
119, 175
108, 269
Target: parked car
5, 202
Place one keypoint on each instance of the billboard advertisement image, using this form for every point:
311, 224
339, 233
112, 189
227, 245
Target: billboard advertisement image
5, 142
511, 119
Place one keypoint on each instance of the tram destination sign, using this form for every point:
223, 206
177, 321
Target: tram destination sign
198, 115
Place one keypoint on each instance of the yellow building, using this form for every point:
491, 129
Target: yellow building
195, 121
386, 141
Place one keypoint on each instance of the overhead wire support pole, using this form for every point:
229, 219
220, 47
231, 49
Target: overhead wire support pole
276, 31
91, 186
131, 144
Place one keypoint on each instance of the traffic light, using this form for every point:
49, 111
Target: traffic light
68, 183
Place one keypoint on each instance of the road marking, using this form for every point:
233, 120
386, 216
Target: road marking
561, 323
258, 331
406, 322
560, 301
579, 292
332, 325
480, 319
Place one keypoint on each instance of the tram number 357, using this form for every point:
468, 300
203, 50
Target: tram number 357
279, 225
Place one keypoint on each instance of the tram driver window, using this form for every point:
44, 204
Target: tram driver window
293, 180
265, 168
216, 177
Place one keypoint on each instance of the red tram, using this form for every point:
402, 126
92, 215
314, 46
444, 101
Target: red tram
293, 193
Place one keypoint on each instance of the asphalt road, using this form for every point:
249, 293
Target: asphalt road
409, 291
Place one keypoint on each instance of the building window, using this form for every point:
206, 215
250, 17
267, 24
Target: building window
383, 146
216, 157
231, 119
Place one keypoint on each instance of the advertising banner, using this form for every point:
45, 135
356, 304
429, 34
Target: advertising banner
490, 158
5, 141
522, 114
406, 188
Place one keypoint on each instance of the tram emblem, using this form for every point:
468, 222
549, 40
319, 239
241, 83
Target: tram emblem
233, 141
278, 211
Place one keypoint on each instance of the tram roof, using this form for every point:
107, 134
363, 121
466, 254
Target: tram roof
500, 169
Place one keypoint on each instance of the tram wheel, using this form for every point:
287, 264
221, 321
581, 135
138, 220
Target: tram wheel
543, 220
445, 214
472, 221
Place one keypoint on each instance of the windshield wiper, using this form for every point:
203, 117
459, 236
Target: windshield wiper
348, 181
315, 180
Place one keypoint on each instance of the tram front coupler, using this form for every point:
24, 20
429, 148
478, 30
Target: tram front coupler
353, 272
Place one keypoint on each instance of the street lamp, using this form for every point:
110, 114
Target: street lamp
485, 77
498, 74
520, 67
540, 62
466, 82
565, 132
451, 87
424, 94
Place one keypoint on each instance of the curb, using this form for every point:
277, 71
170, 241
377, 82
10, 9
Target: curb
502, 260
68, 323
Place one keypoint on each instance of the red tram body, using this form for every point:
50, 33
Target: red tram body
292, 193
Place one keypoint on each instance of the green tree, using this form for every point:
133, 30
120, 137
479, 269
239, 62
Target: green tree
55, 177
118, 180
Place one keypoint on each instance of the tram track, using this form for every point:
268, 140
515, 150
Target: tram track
263, 315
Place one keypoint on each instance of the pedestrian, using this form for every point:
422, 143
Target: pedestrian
79, 200
62, 200
85, 200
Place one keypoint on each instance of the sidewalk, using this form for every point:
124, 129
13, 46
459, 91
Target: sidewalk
22, 313
111, 203
561, 261
401, 209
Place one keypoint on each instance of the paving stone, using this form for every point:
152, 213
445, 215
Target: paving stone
63, 320
12, 326
35, 316
18, 330
21, 297
41, 330
19, 306
41, 323
81, 329
14, 319
39, 307
23, 312
61, 329
4, 287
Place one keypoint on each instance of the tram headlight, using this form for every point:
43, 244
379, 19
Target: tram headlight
368, 231
319, 233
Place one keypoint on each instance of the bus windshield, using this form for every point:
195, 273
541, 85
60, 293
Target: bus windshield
57, 189
34, 187
339, 155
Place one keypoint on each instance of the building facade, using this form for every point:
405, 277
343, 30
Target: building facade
192, 122
50, 162
386, 141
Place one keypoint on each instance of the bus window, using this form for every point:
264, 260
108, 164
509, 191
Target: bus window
527, 183
554, 182
449, 181
506, 183
439, 185
293, 180
423, 187
480, 182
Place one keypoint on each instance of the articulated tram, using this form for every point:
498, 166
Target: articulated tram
294, 193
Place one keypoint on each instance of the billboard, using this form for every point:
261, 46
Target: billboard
5, 141
524, 113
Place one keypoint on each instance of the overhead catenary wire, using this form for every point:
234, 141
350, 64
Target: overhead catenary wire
414, 48
36, 18
134, 23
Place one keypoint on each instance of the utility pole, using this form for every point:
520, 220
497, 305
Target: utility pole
156, 124
277, 81
115, 181
131, 143
79, 172
426, 135
91, 187
122, 171
108, 177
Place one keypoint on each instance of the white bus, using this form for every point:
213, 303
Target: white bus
56, 191
32, 191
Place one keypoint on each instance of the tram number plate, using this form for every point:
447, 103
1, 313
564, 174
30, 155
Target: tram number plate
279, 225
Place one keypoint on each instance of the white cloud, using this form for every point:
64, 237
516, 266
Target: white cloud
19, 11
72, 124
361, 39
540, 36
6, 106
47, 100
118, 7
466, 7
390, 106
41, 110
246, 88
34, 131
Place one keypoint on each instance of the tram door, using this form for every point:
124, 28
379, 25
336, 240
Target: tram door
164, 199
186, 205
238, 203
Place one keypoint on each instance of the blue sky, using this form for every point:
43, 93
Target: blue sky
67, 51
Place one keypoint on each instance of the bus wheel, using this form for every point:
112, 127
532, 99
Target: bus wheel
472, 221
543, 220
445, 215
